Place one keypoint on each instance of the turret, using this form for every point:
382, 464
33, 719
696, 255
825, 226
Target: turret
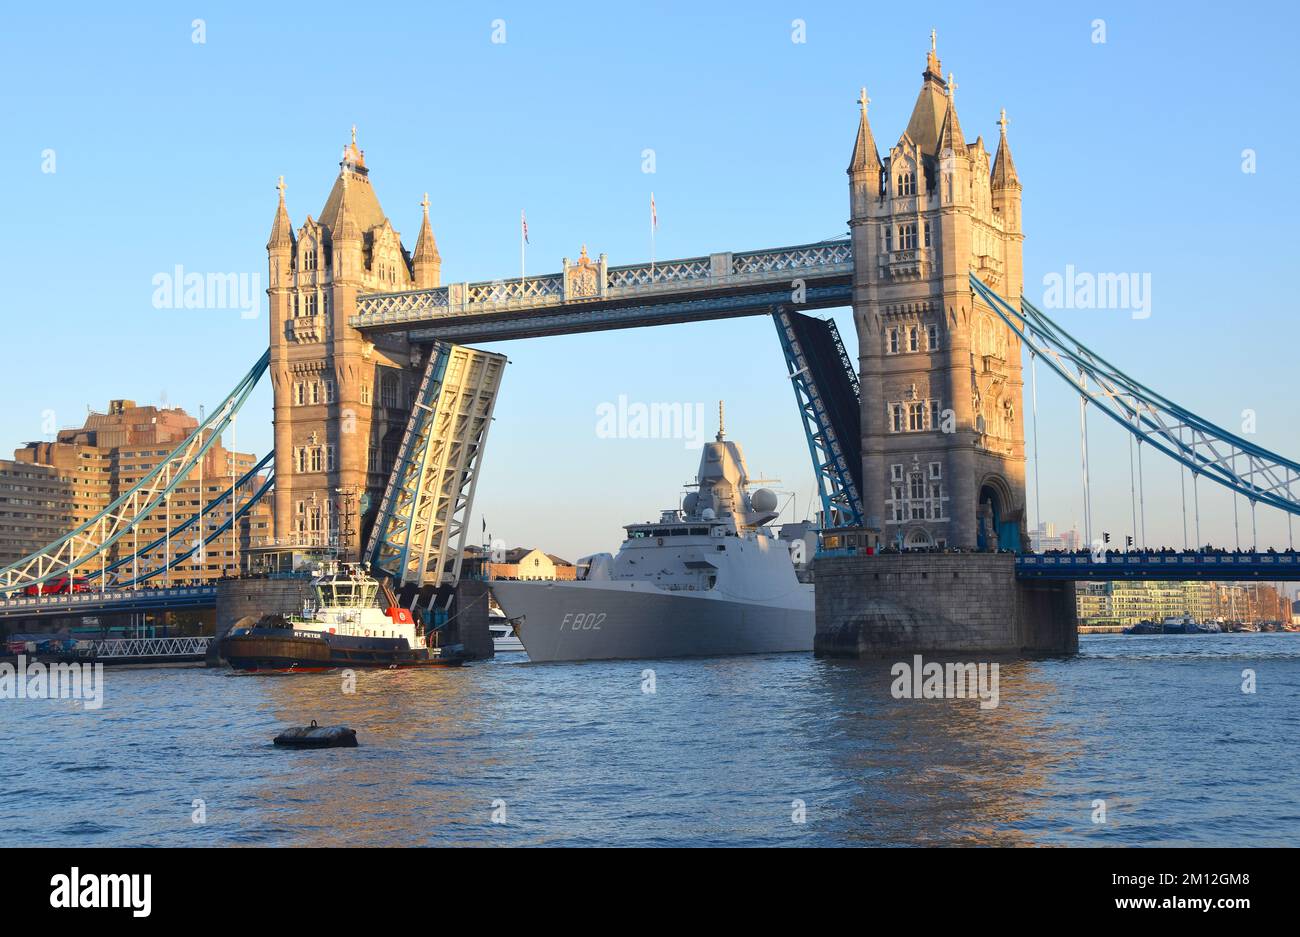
1006, 205
1005, 182
426, 263
865, 169
280, 245
345, 236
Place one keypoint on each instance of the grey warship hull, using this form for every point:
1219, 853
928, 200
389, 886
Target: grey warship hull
569, 621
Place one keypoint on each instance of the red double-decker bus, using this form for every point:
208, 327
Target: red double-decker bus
61, 585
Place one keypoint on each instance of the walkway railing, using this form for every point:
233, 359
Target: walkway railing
664, 280
185, 595
118, 648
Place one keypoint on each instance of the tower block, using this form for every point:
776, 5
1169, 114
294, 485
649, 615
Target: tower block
942, 436
341, 400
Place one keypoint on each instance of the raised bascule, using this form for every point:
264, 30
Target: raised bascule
382, 411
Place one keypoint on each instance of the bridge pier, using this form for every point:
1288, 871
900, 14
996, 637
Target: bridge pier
252, 598
951, 604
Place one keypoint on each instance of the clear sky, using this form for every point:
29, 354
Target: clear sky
166, 151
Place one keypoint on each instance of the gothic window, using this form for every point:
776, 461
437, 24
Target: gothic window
900, 503
299, 394
934, 415
316, 464
927, 234
893, 341
896, 472
933, 337
329, 391
907, 237
906, 183
916, 416
898, 418
390, 391
365, 392
313, 389
329, 458
889, 238
936, 470
372, 459
913, 339
309, 257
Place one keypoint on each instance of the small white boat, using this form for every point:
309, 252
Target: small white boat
504, 639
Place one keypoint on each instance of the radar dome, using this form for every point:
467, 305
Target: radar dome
708, 514
763, 500
690, 503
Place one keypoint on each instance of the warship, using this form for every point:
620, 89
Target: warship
707, 579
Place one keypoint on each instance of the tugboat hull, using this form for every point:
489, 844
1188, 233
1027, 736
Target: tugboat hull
280, 651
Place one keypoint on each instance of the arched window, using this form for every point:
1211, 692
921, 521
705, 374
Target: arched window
390, 391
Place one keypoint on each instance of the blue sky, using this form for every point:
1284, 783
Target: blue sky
167, 151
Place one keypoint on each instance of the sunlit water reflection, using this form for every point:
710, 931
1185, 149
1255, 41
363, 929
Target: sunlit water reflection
1157, 727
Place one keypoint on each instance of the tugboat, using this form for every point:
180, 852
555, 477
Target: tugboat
346, 628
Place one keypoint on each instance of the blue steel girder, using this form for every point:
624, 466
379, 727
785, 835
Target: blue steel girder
117, 600
73, 552
267, 464
841, 501
1194, 442
181, 558
1168, 567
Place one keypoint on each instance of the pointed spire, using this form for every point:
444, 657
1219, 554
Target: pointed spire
344, 224
426, 248
950, 135
1004, 168
354, 158
932, 66
928, 113
865, 157
282, 227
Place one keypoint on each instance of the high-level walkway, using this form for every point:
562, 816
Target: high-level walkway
588, 295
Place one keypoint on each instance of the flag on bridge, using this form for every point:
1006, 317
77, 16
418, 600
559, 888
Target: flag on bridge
523, 226
654, 217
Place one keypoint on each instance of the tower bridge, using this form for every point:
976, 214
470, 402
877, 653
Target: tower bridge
917, 439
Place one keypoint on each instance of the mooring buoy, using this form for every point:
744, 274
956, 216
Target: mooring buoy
314, 736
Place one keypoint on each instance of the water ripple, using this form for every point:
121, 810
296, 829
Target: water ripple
780, 750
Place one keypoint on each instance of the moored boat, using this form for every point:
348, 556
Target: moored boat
345, 629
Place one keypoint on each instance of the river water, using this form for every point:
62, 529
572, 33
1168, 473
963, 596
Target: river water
778, 750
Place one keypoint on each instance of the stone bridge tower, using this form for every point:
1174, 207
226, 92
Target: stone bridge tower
341, 401
942, 433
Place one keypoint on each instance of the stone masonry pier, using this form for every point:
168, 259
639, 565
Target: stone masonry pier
950, 604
